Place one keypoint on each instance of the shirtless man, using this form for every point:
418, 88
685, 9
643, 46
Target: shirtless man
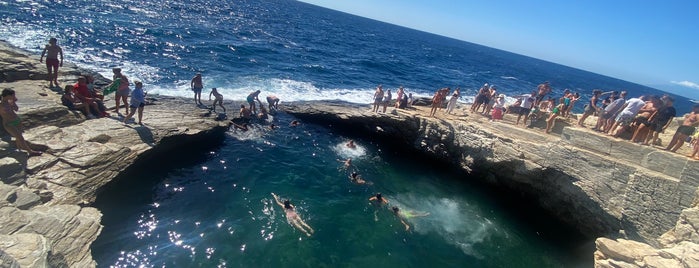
543, 89
685, 130
251, 98
12, 122
197, 85
52, 51
245, 113
292, 217
273, 102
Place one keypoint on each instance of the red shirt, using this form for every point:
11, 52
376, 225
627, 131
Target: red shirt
81, 91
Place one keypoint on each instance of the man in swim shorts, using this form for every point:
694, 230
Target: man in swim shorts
12, 122
252, 97
685, 130
52, 51
272, 102
197, 85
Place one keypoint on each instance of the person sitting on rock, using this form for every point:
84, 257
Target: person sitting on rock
83, 93
73, 103
12, 122
245, 113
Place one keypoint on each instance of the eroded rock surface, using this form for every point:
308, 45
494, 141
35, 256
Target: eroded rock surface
601, 185
45, 218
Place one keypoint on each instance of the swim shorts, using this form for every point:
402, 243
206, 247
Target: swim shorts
140, 105
686, 130
523, 111
197, 89
123, 92
624, 119
52, 63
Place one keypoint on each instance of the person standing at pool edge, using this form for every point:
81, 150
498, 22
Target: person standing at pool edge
52, 51
197, 86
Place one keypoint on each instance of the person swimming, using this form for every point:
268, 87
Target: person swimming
292, 217
350, 144
396, 211
378, 199
354, 177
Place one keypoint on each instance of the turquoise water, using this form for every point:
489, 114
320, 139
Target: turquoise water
206, 207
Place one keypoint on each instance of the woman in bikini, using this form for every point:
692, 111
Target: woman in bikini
292, 217
12, 122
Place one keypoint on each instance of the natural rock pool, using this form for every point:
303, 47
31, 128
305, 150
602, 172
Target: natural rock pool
213, 207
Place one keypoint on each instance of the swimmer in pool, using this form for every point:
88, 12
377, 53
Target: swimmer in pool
292, 217
355, 178
350, 144
397, 212
378, 199
347, 163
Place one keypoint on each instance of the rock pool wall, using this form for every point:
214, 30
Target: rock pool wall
45, 214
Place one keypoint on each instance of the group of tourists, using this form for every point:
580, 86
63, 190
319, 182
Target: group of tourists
384, 98
644, 118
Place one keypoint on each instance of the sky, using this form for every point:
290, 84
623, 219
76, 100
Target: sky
650, 42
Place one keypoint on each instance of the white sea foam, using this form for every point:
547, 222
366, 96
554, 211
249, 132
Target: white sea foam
344, 152
457, 222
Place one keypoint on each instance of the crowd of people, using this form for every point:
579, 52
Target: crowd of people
642, 118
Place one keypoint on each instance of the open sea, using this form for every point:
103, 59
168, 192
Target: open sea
214, 208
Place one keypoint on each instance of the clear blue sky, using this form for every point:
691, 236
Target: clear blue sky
651, 42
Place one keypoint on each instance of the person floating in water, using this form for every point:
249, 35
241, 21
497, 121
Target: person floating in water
218, 98
350, 144
355, 178
292, 217
294, 123
347, 163
404, 215
52, 51
378, 199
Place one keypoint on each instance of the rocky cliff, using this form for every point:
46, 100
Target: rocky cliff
601, 185
45, 217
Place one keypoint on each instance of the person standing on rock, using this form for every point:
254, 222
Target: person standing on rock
52, 51
12, 122
197, 86
378, 97
120, 84
138, 101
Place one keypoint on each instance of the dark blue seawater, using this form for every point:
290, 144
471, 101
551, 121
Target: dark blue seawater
215, 209
294, 50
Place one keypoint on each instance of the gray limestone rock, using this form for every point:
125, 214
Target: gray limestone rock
26, 249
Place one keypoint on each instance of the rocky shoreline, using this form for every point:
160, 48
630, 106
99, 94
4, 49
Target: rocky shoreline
45, 214
643, 199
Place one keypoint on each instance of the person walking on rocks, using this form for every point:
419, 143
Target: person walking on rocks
12, 122
218, 98
52, 51
197, 85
